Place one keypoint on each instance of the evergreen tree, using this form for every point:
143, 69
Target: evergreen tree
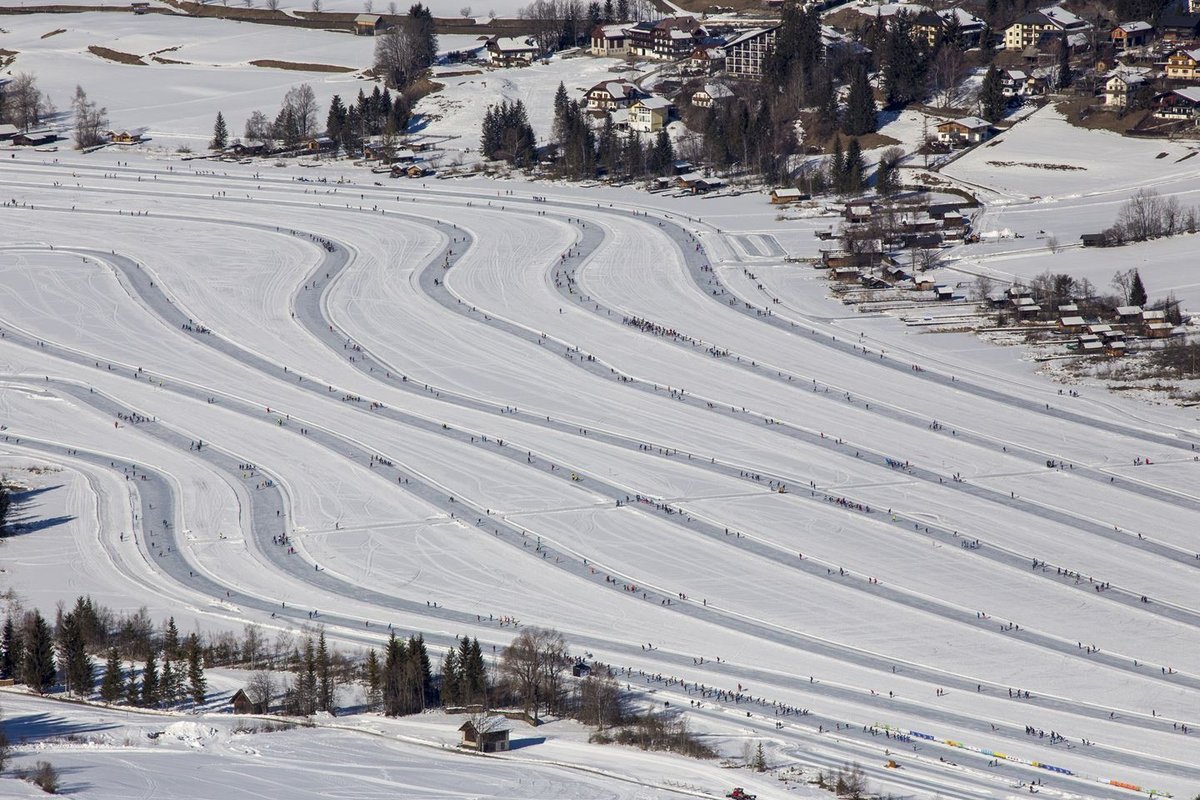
335, 119
133, 692
854, 168
475, 673
220, 134
306, 680
110, 684
170, 640
72, 655
451, 678
837, 166
760, 759
150, 688
797, 48
992, 102
902, 62
622, 10
1064, 64
1137, 290
423, 688
860, 105
662, 155
197, 684
608, 10
11, 650
393, 666
325, 683
374, 681
38, 669
887, 180
168, 684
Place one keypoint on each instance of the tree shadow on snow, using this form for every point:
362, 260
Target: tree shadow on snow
23, 497
42, 726
27, 524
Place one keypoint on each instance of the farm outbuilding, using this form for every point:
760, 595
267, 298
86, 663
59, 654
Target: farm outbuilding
487, 735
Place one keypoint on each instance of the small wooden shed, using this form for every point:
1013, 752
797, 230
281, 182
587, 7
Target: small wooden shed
242, 704
487, 735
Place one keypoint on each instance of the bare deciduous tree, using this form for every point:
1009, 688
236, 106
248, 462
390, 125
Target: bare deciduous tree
24, 103
533, 665
261, 689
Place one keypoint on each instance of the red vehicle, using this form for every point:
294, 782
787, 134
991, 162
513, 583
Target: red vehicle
740, 794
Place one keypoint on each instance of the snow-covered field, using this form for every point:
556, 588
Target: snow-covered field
819, 509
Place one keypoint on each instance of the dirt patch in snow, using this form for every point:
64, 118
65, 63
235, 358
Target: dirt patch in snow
271, 63
115, 55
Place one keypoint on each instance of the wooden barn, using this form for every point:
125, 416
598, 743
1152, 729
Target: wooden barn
487, 735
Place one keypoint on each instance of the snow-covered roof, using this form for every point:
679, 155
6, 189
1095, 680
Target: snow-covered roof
512, 44
1128, 311
653, 103
966, 20
1189, 93
367, 19
750, 34
495, 724
1073, 321
717, 91
970, 123
1099, 328
789, 192
1064, 18
1134, 27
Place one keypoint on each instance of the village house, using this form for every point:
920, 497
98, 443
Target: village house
649, 114
711, 94
1182, 104
1119, 87
1029, 29
511, 51
1129, 315
1131, 34
8, 131
930, 26
320, 144
1072, 324
1012, 82
1182, 65
783, 197
128, 136
745, 53
140, 7
704, 60
368, 24
967, 130
1175, 27
609, 40
611, 95
486, 735
669, 38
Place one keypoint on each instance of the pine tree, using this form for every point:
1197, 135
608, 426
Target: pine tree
197, 684
664, 152
475, 674
72, 655
325, 684
150, 688
38, 669
168, 684
860, 105
451, 678
1137, 290
393, 665
306, 679
854, 168
11, 650
1064, 64
110, 685
423, 688
622, 10
837, 166
374, 681
220, 134
991, 96
760, 759
133, 692
170, 640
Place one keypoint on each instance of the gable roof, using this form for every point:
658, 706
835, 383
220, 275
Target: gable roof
1134, 27
1189, 93
487, 725
653, 103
